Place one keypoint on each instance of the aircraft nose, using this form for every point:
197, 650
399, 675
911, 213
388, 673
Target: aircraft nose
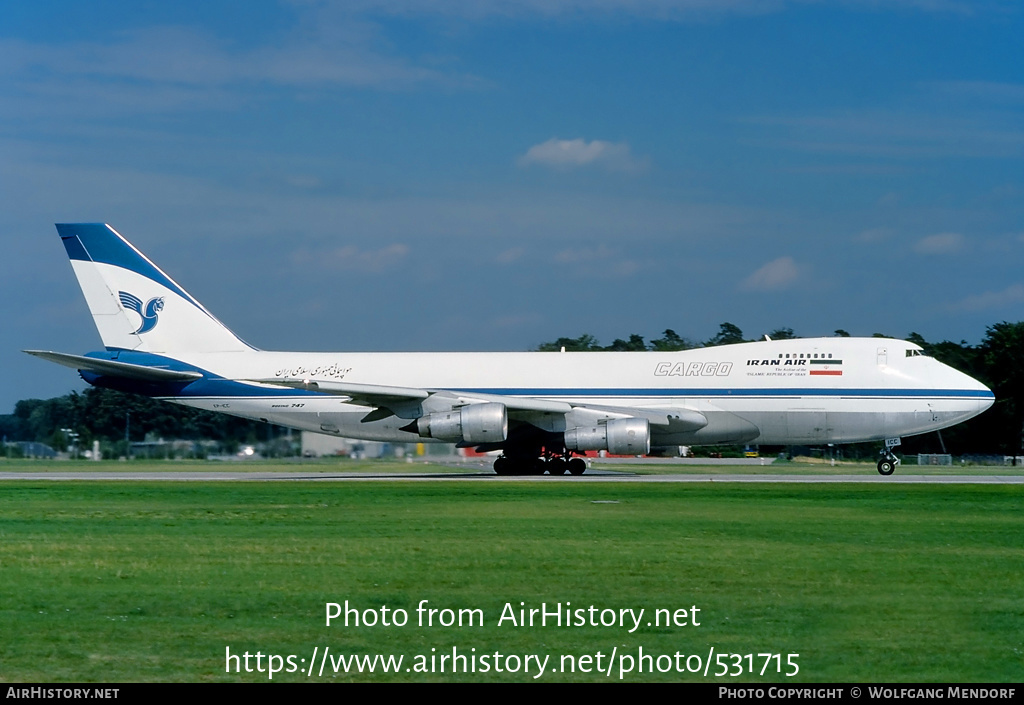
985, 402
982, 395
975, 397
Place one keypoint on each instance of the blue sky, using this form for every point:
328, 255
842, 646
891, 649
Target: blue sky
491, 174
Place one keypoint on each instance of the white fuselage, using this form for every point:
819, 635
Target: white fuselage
821, 390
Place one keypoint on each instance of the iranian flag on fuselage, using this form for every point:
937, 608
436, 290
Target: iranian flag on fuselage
827, 367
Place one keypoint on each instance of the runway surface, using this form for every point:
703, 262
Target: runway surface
471, 475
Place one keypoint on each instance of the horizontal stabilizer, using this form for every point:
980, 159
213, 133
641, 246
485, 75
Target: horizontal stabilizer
114, 368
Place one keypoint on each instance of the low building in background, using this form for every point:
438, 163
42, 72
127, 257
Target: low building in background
319, 445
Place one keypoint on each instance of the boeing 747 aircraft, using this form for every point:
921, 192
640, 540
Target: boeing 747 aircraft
541, 410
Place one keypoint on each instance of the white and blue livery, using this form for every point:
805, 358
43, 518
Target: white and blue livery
541, 410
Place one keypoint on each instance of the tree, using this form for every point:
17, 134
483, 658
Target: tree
728, 334
1003, 354
584, 343
100, 414
782, 334
917, 339
670, 341
634, 344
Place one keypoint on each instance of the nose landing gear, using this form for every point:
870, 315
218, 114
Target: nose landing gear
888, 462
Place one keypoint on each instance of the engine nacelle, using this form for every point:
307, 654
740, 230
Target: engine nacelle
618, 437
476, 423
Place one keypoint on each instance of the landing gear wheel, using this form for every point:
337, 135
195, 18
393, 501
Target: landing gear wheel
502, 466
577, 466
887, 463
557, 466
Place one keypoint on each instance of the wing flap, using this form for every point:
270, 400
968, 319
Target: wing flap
383, 395
369, 394
517, 403
676, 419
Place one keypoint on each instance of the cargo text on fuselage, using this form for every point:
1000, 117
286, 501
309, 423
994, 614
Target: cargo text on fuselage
693, 369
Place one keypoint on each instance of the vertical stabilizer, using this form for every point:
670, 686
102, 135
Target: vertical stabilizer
134, 304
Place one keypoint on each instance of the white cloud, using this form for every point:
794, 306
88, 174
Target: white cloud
184, 66
566, 9
579, 255
511, 255
777, 274
1013, 294
982, 90
351, 258
572, 154
939, 244
928, 124
303, 181
607, 260
667, 10
874, 235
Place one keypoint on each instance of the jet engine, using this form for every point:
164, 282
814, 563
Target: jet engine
618, 436
475, 423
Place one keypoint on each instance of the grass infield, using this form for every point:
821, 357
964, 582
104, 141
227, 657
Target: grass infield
441, 464
122, 582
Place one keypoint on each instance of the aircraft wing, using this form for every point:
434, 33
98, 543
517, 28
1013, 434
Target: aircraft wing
385, 395
115, 368
678, 419
367, 394
399, 399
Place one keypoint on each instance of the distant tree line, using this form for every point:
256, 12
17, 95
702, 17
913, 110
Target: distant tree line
107, 415
113, 417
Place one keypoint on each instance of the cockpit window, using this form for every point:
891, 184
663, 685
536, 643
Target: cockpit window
915, 353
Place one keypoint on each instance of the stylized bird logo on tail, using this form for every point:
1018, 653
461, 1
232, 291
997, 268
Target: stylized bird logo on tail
149, 314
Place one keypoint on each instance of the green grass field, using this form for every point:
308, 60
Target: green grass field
429, 464
139, 581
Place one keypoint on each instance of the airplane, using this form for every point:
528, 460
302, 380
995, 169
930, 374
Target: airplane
541, 410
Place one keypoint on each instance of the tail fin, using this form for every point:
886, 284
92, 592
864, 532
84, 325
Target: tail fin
134, 304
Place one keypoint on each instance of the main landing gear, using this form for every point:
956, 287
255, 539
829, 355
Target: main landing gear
888, 462
553, 465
